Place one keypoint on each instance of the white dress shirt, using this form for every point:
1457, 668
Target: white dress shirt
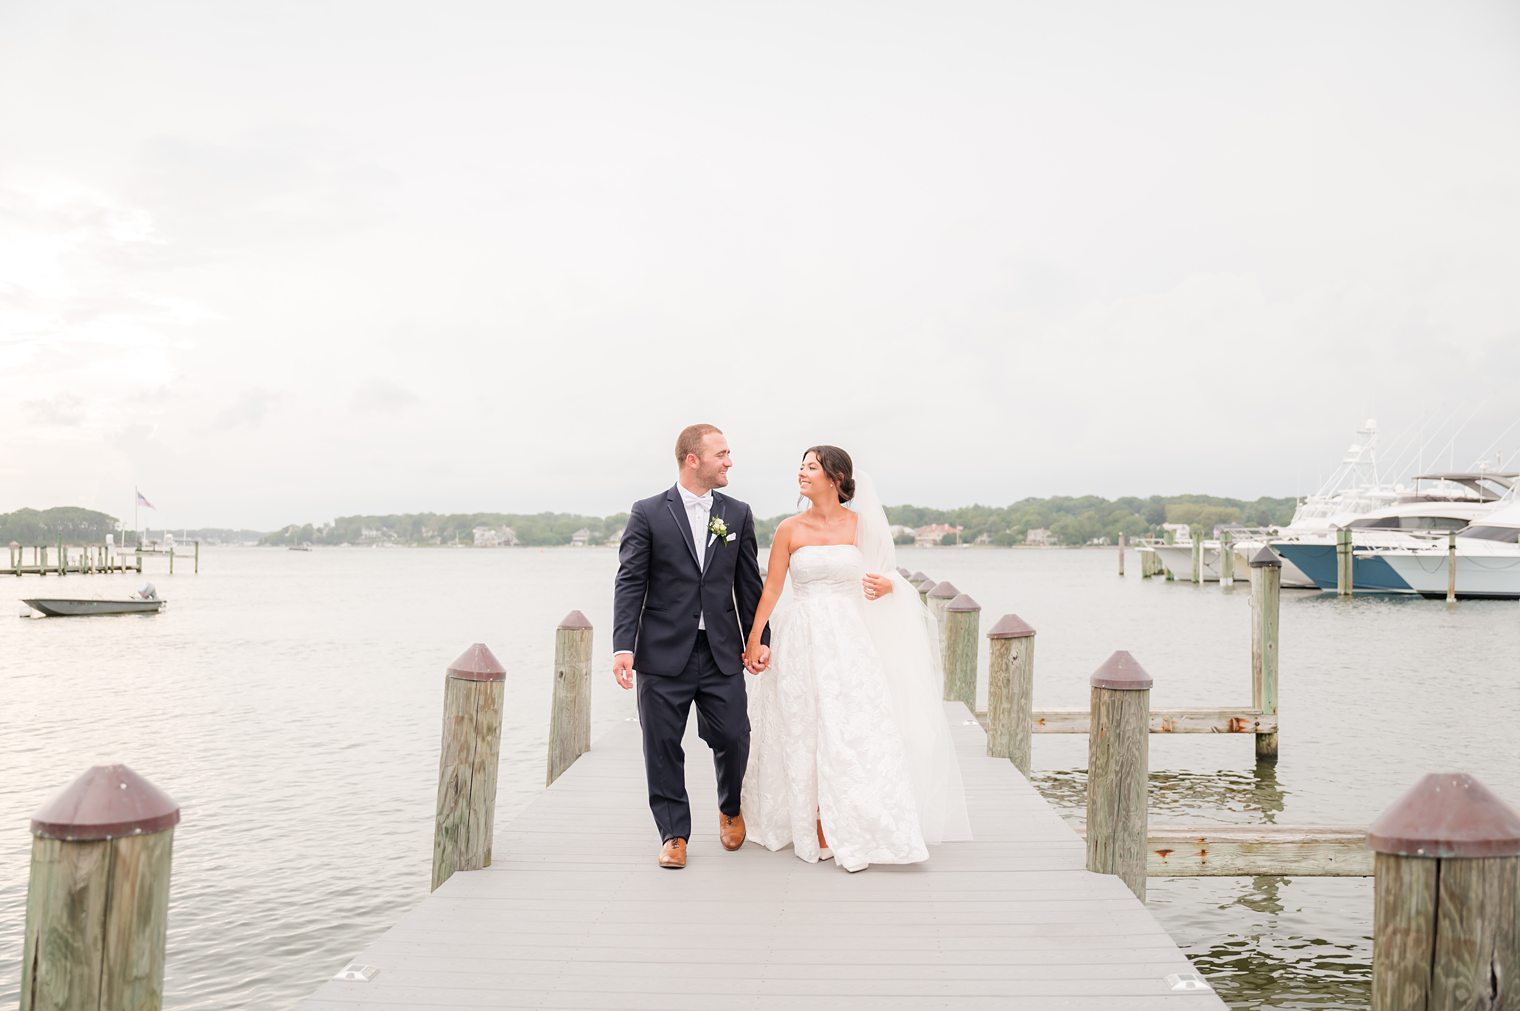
698, 509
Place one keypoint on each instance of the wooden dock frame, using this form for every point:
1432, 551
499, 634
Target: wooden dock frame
1259, 719
86, 560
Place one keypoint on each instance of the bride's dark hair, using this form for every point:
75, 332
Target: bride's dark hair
836, 463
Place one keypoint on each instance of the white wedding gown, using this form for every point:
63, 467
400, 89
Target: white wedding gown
837, 734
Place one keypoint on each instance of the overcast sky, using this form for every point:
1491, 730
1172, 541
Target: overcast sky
281, 261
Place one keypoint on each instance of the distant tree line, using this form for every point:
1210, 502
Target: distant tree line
70, 524
1085, 518
1074, 520
529, 530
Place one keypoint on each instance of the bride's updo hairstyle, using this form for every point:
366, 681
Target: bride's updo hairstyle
837, 465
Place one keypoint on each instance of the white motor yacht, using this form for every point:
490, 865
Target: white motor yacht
1488, 559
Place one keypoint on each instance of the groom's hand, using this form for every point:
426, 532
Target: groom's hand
759, 660
622, 669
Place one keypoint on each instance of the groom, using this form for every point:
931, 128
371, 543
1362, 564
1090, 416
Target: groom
687, 561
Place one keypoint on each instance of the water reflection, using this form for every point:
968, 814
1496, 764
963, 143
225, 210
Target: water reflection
1280, 959
1243, 796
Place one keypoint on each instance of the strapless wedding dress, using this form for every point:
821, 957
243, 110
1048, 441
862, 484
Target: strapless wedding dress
825, 739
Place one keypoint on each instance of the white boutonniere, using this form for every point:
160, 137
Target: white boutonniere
718, 529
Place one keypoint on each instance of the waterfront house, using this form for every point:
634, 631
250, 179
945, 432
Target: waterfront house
580, 538
935, 534
1041, 537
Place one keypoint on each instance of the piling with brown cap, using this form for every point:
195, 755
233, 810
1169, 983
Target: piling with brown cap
939, 595
1446, 927
923, 586
1118, 765
1010, 690
1266, 602
570, 712
963, 618
97, 903
473, 695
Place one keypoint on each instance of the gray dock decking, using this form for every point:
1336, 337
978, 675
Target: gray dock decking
574, 913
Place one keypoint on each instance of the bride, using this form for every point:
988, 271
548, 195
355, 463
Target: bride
850, 755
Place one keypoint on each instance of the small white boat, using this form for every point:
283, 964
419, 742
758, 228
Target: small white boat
145, 601
67, 607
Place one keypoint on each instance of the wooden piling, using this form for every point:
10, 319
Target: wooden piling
1197, 558
1121, 552
1117, 769
1451, 567
471, 750
924, 586
962, 623
97, 902
570, 712
1226, 559
1446, 928
1344, 561
1010, 691
1266, 601
938, 596
197, 557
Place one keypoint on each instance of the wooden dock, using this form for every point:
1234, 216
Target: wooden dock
574, 913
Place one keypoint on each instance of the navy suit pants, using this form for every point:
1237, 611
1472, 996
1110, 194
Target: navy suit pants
722, 722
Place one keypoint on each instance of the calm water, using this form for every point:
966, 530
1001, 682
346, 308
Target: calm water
291, 702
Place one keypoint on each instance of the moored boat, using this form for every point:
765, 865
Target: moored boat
66, 607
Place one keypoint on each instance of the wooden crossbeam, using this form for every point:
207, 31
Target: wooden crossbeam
1164, 721
1295, 851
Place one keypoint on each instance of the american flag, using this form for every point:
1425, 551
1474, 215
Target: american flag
143, 501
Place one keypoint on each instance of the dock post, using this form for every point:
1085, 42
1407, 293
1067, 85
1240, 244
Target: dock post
1198, 558
1121, 555
1451, 567
1118, 743
472, 704
1446, 927
963, 618
1343, 562
1266, 601
1226, 560
570, 712
938, 596
1010, 691
171, 559
197, 558
924, 586
139, 561
97, 902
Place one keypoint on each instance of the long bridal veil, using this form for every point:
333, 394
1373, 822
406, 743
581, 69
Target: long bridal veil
906, 639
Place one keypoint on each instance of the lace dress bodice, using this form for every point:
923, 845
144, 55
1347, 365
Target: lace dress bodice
827, 569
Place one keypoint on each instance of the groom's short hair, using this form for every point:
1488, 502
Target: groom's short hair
690, 441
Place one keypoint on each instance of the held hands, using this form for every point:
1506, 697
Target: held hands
622, 669
757, 656
876, 586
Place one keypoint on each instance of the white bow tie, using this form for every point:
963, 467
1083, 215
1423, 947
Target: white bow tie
702, 503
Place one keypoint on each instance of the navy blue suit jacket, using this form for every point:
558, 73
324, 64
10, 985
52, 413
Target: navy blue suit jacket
661, 590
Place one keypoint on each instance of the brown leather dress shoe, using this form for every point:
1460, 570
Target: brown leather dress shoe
731, 830
673, 854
